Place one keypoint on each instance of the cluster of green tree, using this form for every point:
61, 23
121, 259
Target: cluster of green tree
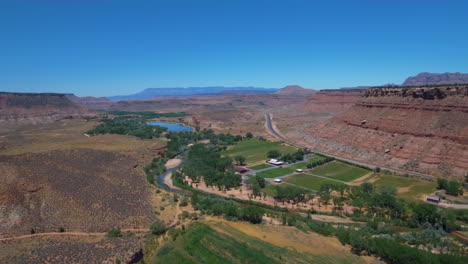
206, 163
223, 206
379, 239
155, 168
127, 125
240, 160
382, 203
392, 250
147, 114
292, 194
158, 228
316, 163
451, 187
461, 215
256, 183
178, 141
289, 158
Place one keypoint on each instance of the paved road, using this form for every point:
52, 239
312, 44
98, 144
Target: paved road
370, 165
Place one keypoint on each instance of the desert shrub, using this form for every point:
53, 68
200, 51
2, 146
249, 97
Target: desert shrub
184, 202
114, 233
158, 228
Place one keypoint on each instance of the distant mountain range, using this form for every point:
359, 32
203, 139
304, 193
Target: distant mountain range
189, 91
426, 78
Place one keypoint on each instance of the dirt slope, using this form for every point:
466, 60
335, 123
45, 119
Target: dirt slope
77, 189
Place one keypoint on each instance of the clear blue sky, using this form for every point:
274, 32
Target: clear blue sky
110, 47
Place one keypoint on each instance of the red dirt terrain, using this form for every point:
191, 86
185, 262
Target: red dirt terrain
421, 129
332, 101
76, 189
39, 108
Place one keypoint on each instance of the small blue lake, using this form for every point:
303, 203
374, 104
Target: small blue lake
171, 127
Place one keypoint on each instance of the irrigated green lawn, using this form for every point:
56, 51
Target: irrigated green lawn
308, 181
340, 171
408, 188
302, 165
275, 172
255, 150
270, 189
261, 166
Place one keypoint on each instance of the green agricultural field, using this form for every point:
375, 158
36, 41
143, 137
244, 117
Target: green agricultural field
308, 181
270, 189
411, 189
260, 167
255, 150
224, 244
294, 167
277, 172
340, 171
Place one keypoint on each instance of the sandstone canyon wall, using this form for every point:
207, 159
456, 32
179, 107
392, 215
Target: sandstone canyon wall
420, 129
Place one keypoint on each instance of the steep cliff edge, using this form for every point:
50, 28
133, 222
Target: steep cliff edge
40, 107
422, 129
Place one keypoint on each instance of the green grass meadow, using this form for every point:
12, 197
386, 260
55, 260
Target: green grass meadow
260, 167
308, 181
277, 172
340, 171
255, 150
408, 188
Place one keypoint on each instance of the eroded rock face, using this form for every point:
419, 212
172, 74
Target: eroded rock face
35, 108
423, 129
424, 93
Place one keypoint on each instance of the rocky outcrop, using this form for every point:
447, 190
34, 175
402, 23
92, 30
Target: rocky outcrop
40, 107
424, 93
426, 78
421, 129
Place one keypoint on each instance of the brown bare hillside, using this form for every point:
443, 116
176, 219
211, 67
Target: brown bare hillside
72, 249
77, 189
37, 108
423, 129
90, 102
